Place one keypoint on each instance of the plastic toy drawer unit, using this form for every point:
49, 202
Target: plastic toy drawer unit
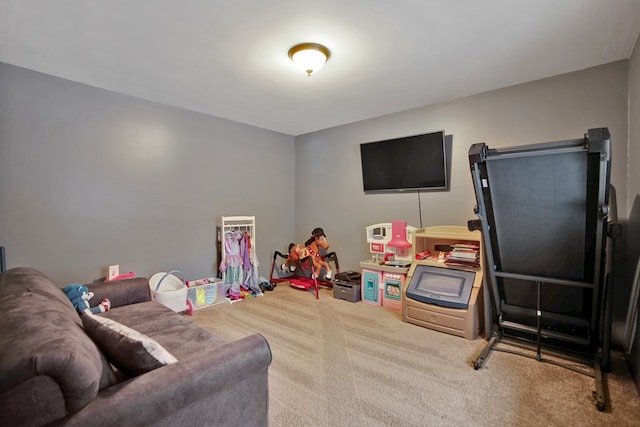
346, 291
206, 292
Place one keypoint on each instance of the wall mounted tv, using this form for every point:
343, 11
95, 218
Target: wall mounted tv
411, 163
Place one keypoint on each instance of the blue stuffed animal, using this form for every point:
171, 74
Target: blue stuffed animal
79, 296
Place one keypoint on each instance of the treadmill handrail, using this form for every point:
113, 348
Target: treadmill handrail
543, 279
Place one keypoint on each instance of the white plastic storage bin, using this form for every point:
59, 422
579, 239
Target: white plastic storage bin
169, 289
206, 292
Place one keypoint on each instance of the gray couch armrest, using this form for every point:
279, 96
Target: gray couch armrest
225, 386
121, 292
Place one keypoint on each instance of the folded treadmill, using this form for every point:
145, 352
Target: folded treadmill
543, 210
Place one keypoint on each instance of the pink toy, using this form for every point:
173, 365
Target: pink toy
128, 275
399, 235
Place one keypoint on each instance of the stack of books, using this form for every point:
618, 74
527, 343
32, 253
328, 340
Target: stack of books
467, 254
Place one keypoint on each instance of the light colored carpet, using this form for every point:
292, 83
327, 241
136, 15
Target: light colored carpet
337, 363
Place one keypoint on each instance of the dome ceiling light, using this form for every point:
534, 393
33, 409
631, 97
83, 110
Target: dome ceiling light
309, 57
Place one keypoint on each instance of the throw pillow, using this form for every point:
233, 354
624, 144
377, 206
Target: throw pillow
128, 349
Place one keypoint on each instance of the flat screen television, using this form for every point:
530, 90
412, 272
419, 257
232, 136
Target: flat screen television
411, 163
446, 287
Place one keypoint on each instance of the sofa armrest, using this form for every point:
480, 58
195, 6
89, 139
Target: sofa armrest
121, 292
231, 380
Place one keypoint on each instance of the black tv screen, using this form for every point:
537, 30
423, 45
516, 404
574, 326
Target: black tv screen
411, 163
446, 287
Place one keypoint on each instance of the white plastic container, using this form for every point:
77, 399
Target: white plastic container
169, 289
205, 292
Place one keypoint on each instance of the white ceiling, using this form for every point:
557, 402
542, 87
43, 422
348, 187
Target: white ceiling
228, 58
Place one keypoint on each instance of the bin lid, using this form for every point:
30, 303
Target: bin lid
169, 283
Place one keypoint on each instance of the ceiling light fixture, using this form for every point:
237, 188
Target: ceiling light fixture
309, 57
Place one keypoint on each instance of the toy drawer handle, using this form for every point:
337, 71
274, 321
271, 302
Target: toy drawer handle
175, 273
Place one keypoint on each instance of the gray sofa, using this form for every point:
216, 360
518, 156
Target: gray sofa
53, 373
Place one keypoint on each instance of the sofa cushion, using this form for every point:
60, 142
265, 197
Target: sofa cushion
124, 292
45, 403
178, 334
128, 349
41, 336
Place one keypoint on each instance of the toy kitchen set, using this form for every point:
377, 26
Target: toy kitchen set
392, 253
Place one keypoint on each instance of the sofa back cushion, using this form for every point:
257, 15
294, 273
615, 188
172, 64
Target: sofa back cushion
121, 292
42, 335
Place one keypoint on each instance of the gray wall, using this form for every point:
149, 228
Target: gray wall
328, 172
633, 229
90, 178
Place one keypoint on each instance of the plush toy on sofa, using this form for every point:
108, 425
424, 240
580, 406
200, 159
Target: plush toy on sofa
79, 296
